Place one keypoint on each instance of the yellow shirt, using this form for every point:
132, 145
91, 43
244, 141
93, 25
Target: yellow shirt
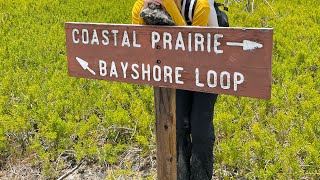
200, 17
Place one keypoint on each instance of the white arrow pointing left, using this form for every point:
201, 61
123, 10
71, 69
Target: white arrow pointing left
85, 65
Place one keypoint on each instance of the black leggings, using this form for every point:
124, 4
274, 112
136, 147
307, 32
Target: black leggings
195, 135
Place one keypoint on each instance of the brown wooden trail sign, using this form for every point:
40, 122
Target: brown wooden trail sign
233, 61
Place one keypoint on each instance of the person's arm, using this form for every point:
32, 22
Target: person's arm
136, 10
174, 12
201, 13
170, 7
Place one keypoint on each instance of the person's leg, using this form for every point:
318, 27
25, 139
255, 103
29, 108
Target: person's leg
183, 107
202, 135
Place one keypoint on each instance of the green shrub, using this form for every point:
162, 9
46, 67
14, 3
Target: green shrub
45, 112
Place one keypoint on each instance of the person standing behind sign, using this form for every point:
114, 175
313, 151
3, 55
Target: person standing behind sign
195, 132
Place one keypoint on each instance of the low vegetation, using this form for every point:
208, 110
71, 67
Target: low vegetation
55, 122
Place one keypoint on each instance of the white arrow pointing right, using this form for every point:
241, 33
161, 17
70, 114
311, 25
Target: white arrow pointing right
246, 45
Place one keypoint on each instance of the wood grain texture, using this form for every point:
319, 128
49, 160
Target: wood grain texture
165, 109
255, 65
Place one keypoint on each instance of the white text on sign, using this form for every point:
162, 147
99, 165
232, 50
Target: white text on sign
195, 41
168, 74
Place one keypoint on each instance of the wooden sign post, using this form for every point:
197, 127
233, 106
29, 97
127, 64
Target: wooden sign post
233, 61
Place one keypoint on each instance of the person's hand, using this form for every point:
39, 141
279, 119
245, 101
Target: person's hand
146, 2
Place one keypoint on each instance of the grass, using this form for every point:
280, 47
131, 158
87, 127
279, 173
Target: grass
44, 113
